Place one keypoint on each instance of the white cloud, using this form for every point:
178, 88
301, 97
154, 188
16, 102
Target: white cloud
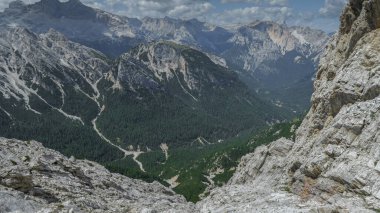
250, 14
155, 8
332, 8
259, 2
206, 10
140, 8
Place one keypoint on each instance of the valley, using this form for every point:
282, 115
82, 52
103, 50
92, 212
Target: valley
105, 113
167, 100
125, 109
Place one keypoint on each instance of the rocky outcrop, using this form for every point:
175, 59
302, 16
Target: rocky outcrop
333, 165
36, 179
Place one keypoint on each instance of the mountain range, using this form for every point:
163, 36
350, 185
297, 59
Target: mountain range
161, 94
273, 59
134, 95
329, 162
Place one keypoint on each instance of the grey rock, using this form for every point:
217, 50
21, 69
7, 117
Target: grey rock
50, 182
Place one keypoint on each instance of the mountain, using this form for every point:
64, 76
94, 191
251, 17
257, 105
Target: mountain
121, 112
274, 60
106, 32
200, 35
48, 92
175, 90
332, 166
153, 99
49, 74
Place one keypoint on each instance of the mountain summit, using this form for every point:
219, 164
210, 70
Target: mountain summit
72, 9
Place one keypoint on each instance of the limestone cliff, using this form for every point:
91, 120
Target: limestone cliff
334, 163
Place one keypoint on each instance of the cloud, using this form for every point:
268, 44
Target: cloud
250, 14
223, 12
155, 8
332, 8
259, 2
184, 9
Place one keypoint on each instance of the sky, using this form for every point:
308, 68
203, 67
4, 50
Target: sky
319, 14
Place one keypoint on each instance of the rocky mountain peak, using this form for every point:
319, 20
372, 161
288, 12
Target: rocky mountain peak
16, 4
73, 9
263, 25
169, 61
16, 7
49, 3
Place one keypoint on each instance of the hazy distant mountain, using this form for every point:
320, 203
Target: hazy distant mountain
109, 33
277, 61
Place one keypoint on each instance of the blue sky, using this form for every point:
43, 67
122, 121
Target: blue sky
321, 14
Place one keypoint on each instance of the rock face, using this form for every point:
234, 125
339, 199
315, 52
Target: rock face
162, 62
333, 165
36, 179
